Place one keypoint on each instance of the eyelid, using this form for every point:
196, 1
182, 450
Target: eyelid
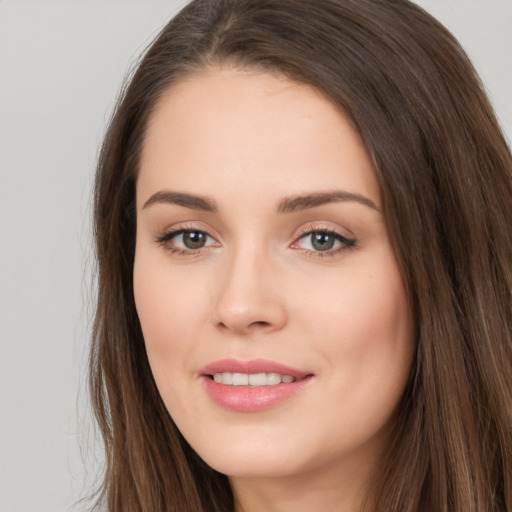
322, 227
186, 226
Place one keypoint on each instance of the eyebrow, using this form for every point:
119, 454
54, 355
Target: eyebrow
304, 202
193, 202
287, 205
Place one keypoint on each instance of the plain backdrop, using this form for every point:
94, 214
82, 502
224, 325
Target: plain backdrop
61, 65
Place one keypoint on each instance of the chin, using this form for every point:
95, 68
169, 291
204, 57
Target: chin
253, 467
251, 460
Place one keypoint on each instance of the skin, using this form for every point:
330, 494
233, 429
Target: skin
259, 288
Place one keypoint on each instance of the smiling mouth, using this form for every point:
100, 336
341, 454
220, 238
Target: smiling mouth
252, 386
252, 379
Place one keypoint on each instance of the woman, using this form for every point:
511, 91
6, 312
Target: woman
304, 241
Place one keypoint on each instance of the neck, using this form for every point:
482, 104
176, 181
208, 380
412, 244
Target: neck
323, 489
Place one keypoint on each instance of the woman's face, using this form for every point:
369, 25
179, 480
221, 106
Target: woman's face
273, 311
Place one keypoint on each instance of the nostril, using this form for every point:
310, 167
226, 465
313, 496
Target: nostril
259, 324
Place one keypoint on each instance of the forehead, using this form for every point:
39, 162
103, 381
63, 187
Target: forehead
232, 130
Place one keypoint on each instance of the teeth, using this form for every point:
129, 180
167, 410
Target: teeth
257, 379
253, 379
275, 378
240, 379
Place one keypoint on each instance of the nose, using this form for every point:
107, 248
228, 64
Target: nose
249, 299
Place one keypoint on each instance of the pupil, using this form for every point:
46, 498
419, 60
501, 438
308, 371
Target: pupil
322, 241
194, 239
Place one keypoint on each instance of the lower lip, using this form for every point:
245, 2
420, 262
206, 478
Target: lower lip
252, 398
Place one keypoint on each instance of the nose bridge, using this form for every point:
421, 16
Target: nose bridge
247, 296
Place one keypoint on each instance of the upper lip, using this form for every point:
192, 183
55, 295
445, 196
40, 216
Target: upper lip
251, 367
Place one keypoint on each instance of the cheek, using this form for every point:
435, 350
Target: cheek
165, 300
377, 317
360, 310
168, 314
166, 309
382, 329
366, 335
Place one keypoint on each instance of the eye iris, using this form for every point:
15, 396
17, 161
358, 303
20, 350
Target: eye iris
322, 241
194, 239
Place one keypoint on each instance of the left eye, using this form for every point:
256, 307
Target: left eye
321, 241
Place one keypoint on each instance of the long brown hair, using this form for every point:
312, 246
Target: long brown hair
445, 173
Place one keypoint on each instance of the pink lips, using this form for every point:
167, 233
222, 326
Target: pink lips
251, 398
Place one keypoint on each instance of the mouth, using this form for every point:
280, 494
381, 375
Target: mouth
256, 372
252, 386
252, 379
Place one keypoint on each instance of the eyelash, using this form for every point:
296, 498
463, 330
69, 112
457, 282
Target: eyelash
165, 240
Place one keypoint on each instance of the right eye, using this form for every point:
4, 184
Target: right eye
186, 240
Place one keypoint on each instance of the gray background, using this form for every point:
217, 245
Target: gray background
61, 65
